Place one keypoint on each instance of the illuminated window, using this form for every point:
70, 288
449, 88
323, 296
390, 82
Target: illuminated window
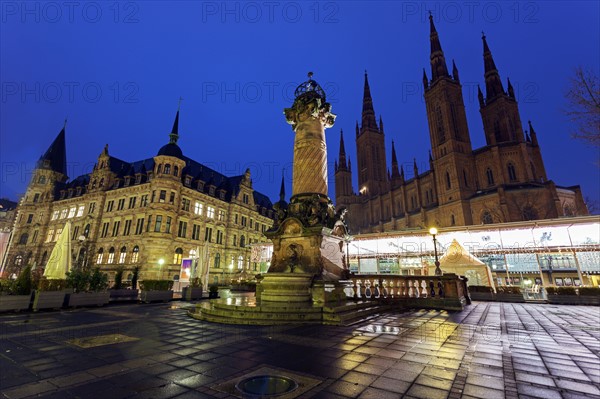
178, 256
55, 215
198, 208
72, 212
80, 210
111, 255
217, 260
210, 212
50, 235
64, 213
122, 255
100, 256
240, 262
135, 255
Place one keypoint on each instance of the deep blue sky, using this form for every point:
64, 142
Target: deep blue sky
117, 70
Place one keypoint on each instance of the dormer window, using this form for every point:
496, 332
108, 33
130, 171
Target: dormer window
222, 194
188, 181
245, 198
126, 182
116, 185
62, 194
200, 185
78, 191
211, 190
138, 179
175, 171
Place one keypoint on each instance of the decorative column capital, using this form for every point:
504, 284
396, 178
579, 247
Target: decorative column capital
309, 107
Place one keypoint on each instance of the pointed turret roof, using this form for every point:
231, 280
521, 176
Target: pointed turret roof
368, 113
55, 157
395, 171
172, 149
493, 84
439, 69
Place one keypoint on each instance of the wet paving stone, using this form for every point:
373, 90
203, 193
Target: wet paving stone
489, 350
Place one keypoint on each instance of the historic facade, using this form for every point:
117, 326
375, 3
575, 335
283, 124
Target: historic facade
503, 181
150, 213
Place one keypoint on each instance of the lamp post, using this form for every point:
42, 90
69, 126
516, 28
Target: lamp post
161, 262
433, 231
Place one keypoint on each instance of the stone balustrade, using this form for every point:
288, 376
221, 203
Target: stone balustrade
441, 292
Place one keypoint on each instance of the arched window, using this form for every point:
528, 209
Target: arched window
490, 176
448, 182
533, 172
111, 255
486, 218
175, 171
122, 255
529, 213
18, 260
135, 256
242, 241
23, 239
512, 175
167, 169
452, 220
178, 254
568, 210
159, 169
42, 179
439, 121
217, 260
100, 256
240, 262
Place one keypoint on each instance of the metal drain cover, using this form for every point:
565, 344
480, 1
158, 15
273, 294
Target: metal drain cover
266, 385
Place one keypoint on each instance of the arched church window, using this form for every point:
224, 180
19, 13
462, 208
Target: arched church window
486, 218
490, 176
512, 174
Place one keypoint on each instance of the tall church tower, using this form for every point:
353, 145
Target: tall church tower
499, 109
452, 159
370, 145
343, 175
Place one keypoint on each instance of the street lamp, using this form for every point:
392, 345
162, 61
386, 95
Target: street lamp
161, 262
433, 231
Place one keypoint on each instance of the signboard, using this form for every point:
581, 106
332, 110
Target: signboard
186, 270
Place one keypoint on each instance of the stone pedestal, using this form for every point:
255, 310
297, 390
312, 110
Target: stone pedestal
286, 287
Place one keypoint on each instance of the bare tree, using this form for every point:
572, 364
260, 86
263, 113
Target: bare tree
584, 105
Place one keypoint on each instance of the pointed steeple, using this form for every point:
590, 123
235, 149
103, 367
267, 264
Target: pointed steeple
532, 134
511, 91
415, 168
174, 135
368, 114
425, 80
357, 129
55, 157
380, 124
342, 156
493, 84
395, 171
282, 189
438, 61
430, 157
455, 72
402, 173
480, 97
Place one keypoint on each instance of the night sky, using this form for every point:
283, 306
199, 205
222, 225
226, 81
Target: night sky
117, 69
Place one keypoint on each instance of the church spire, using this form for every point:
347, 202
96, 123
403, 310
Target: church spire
174, 135
368, 114
493, 84
55, 157
395, 171
438, 61
282, 189
342, 156
532, 134
455, 72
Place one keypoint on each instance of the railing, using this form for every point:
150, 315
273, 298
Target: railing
374, 287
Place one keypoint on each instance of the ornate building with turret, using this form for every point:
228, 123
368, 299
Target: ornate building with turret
151, 213
503, 181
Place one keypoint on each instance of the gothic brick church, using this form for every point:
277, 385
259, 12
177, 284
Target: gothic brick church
504, 181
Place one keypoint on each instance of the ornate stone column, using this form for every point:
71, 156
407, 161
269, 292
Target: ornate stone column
309, 116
